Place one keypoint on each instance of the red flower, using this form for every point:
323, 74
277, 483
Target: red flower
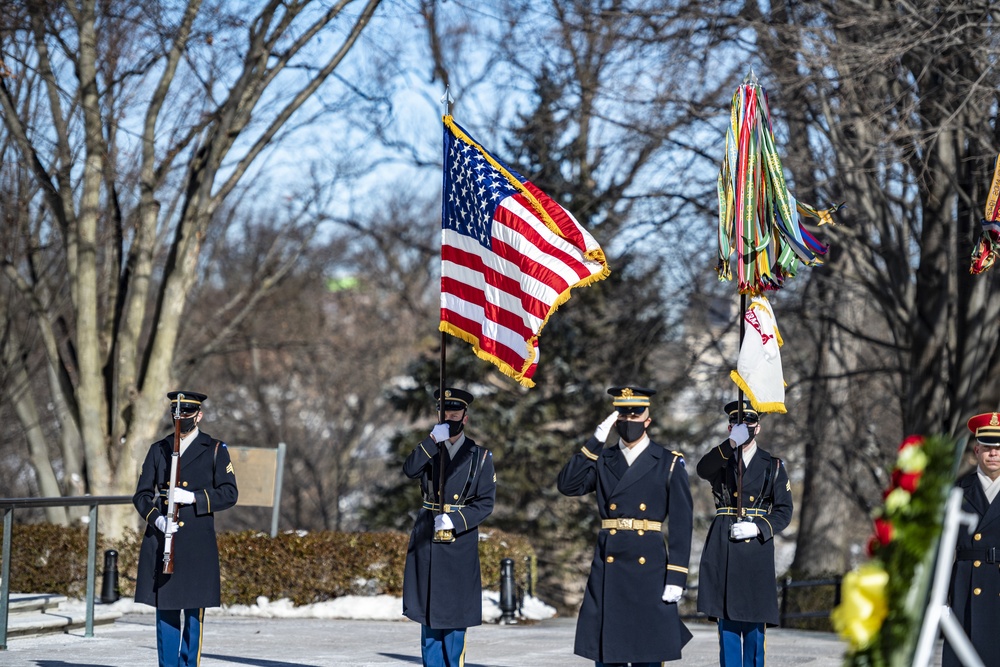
883, 531
908, 481
870, 547
911, 441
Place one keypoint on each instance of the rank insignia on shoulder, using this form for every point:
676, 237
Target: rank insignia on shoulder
494, 478
229, 468
788, 486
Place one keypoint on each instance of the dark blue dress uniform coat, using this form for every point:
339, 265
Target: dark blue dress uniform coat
974, 593
195, 581
623, 618
442, 583
736, 580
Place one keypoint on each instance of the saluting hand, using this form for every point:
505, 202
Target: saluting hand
601, 433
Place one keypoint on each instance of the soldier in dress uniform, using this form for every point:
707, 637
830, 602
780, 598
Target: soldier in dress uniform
629, 613
442, 583
206, 484
974, 593
736, 578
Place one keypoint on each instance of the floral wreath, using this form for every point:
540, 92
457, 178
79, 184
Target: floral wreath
883, 600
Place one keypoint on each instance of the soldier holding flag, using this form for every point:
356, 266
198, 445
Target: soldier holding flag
442, 583
736, 580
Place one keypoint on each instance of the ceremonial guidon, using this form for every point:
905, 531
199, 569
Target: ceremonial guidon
629, 612
207, 483
442, 581
974, 592
736, 578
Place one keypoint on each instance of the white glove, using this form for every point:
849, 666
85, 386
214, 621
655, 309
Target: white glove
672, 594
183, 496
165, 525
601, 433
745, 530
740, 435
440, 433
443, 522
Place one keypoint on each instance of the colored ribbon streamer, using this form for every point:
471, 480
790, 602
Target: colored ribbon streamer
759, 219
985, 252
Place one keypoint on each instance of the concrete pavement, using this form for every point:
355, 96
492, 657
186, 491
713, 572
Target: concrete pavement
289, 642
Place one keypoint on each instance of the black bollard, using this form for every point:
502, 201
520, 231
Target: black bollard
109, 585
508, 592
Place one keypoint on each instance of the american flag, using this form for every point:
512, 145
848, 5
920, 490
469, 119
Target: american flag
509, 256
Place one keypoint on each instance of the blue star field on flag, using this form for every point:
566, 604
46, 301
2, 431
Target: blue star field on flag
473, 189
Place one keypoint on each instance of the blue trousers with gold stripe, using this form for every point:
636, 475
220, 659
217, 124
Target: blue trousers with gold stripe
741, 643
442, 648
177, 645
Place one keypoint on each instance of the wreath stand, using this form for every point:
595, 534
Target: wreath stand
938, 614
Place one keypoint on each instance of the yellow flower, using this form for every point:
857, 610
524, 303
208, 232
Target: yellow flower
911, 459
858, 618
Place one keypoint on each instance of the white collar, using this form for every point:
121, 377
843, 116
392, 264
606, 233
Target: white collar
990, 486
189, 438
631, 454
453, 447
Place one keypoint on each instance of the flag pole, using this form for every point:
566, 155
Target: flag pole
443, 536
739, 407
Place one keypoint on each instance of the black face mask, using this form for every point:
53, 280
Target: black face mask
454, 427
187, 424
630, 431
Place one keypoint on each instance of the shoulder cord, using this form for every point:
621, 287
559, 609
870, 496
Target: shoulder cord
767, 478
477, 465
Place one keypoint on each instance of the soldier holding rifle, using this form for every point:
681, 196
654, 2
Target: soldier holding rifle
442, 583
185, 478
753, 503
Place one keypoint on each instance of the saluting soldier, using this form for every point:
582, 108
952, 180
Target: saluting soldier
206, 484
442, 582
736, 579
974, 594
629, 613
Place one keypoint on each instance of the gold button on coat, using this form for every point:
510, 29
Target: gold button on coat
455, 496
181, 523
642, 506
751, 498
642, 560
641, 532
977, 537
184, 483
976, 563
977, 591
613, 506
614, 531
611, 559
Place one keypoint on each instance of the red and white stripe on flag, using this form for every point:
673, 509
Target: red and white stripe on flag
509, 256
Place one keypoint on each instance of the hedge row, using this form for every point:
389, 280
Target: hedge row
303, 567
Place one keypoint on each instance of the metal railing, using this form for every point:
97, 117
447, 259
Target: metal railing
788, 583
9, 505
